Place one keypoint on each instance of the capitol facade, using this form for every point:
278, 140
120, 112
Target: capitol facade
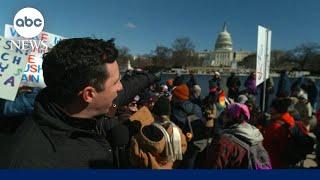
223, 54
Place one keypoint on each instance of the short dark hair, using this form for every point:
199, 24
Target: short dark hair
75, 63
281, 105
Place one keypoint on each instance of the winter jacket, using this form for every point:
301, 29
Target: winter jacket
304, 110
181, 110
12, 113
225, 153
250, 85
214, 82
22, 105
276, 138
283, 86
52, 139
233, 83
296, 86
132, 85
313, 94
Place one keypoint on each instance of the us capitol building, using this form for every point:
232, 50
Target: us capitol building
223, 54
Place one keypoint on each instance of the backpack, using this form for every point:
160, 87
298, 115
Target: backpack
258, 157
201, 137
299, 144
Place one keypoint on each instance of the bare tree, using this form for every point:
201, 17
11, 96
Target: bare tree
162, 56
183, 44
305, 52
162, 52
183, 52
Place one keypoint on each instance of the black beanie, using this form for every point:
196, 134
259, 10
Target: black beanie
162, 107
281, 105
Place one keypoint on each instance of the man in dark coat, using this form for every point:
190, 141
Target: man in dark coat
82, 79
283, 89
311, 88
233, 84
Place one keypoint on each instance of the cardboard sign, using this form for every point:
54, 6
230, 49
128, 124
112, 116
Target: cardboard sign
12, 64
32, 74
11, 34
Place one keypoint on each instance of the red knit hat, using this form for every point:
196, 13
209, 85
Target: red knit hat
181, 92
169, 82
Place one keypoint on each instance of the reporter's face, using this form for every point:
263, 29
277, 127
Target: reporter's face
103, 100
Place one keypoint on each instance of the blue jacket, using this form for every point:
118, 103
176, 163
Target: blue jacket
182, 109
283, 86
22, 105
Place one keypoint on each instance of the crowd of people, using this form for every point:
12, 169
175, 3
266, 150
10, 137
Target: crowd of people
88, 116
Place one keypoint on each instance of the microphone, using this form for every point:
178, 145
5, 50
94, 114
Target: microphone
120, 139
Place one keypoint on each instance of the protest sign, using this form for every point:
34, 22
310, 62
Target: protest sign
12, 64
263, 54
32, 74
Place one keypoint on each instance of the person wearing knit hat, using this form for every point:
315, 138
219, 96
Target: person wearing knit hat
181, 92
302, 111
236, 113
183, 112
276, 134
229, 149
242, 99
182, 106
250, 84
233, 84
164, 88
197, 90
303, 106
195, 96
169, 82
312, 90
217, 74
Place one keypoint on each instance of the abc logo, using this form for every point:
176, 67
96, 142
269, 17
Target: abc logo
28, 22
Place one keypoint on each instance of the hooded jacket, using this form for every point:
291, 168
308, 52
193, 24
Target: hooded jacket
52, 139
182, 109
225, 153
283, 89
250, 85
276, 138
22, 105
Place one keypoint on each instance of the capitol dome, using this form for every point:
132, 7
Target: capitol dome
224, 41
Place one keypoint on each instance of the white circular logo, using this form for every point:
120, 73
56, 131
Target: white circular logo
28, 22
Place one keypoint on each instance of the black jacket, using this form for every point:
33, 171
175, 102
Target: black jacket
233, 82
133, 85
52, 139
